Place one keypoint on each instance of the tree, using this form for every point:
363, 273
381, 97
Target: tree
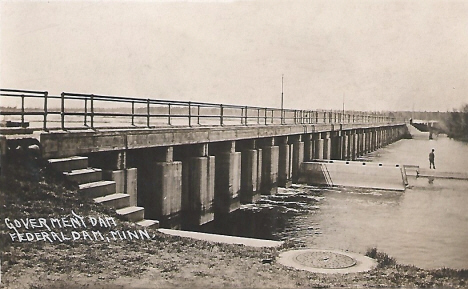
457, 123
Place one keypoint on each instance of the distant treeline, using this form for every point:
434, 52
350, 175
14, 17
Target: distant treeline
456, 123
420, 115
453, 123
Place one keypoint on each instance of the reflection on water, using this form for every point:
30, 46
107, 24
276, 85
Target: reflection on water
427, 225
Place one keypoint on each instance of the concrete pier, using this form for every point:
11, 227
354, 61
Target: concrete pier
126, 182
270, 157
336, 145
163, 198
326, 145
319, 147
251, 164
297, 157
227, 178
308, 147
284, 162
198, 186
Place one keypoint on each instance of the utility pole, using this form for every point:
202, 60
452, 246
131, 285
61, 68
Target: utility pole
343, 104
282, 100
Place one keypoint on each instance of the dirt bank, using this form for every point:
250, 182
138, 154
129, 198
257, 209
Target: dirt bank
31, 191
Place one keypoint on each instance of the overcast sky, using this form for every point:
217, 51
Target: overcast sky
381, 55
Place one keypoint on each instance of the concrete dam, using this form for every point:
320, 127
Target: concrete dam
184, 164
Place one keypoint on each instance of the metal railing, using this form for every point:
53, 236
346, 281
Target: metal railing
77, 111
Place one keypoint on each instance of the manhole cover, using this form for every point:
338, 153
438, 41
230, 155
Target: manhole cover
324, 260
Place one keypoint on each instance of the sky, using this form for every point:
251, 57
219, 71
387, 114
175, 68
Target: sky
371, 55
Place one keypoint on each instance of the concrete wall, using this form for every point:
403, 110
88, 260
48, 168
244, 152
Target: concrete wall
353, 174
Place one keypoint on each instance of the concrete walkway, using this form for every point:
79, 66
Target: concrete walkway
427, 173
223, 238
417, 134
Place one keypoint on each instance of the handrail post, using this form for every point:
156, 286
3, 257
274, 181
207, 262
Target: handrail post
45, 110
62, 111
221, 115
22, 110
198, 115
92, 111
133, 113
189, 113
246, 116
258, 116
242, 116
295, 116
148, 112
265, 115
169, 114
85, 111
272, 115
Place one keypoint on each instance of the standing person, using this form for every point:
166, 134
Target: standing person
431, 160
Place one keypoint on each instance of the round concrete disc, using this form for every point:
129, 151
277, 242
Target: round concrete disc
326, 261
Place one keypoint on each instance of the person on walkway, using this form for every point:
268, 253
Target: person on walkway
431, 160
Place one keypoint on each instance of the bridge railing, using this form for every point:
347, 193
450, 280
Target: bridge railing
78, 111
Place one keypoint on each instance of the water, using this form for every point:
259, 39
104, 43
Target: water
425, 226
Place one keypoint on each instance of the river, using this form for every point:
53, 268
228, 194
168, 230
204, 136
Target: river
425, 226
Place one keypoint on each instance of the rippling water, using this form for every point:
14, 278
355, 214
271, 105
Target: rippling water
427, 225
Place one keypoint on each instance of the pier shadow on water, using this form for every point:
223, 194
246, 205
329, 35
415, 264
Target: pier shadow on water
269, 217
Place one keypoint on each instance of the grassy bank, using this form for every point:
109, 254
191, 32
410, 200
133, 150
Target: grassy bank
30, 190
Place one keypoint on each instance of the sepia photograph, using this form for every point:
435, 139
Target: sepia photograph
233, 144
